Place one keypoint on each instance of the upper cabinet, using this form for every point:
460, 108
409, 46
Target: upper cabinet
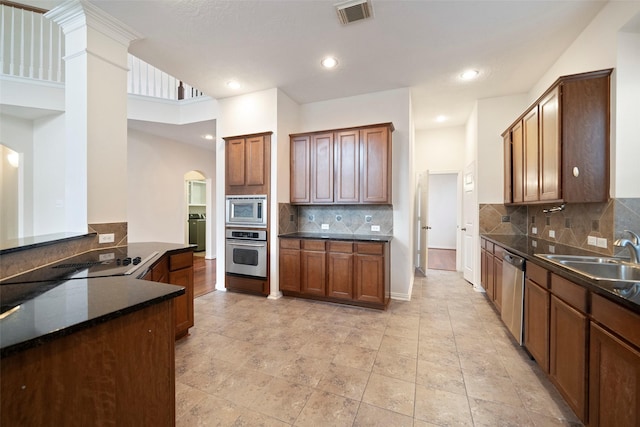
348, 166
558, 150
248, 164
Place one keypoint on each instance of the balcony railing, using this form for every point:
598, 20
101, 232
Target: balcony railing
32, 46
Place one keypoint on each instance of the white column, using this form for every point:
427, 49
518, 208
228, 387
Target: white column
96, 113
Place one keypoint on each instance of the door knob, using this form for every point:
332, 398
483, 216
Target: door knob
463, 229
426, 227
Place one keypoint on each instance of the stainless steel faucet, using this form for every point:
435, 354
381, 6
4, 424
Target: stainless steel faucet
632, 244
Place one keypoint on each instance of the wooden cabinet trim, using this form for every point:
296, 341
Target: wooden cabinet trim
620, 320
313, 245
370, 248
344, 247
537, 274
290, 243
180, 260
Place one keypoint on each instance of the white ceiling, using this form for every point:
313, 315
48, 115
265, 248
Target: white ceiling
421, 44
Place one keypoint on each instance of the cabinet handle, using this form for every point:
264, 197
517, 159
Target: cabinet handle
576, 171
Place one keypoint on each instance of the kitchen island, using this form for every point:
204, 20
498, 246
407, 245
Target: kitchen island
89, 349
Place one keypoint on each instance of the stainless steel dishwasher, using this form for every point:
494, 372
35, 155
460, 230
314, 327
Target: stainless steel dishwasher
513, 294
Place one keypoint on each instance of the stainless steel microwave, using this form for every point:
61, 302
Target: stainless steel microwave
247, 211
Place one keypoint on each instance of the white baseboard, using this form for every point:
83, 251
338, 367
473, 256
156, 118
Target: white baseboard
401, 296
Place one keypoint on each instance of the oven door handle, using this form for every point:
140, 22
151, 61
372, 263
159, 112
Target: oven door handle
253, 245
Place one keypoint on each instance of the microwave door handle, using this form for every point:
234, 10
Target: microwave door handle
253, 245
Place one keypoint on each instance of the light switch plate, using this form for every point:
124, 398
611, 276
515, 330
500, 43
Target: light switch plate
375, 228
325, 226
534, 230
552, 234
601, 242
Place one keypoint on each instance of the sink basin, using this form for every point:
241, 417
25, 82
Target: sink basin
598, 268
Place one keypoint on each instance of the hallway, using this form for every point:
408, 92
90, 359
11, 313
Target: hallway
442, 359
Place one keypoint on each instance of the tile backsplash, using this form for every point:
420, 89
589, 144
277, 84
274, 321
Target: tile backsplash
570, 226
341, 219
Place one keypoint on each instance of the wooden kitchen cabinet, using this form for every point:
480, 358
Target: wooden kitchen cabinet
491, 256
355, 273
569, 331
537, 308
176, 268
347, 166
351, 166
371, 269
313, 274
340, 270
322, 168
490, 284
565, 144
498, 256
248, 164
614, 373
531, 149
508, 168
290, 265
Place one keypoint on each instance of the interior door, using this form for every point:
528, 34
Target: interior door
468, 228
423, 220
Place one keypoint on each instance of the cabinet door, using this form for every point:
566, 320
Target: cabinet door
299, 169
490, 276
531, 151
550, 146
483, 268
497, 282
313, 272
235, 162
568, 354
508, 164
322, 168
536, 323
517, 146
347, 167
290, 269
255, 161
183, 305
369, 278
340, 271
376, 167
614, 375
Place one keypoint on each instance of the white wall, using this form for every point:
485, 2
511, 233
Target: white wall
388, 106
494, 116
156, 195
441, 149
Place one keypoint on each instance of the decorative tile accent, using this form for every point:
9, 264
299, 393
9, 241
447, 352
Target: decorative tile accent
342, 219
572, 226
18, 262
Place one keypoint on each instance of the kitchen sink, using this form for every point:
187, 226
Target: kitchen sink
598, 268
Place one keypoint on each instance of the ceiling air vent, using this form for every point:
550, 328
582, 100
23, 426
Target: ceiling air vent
353, 10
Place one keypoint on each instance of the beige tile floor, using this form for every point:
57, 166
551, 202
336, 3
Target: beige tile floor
444, 358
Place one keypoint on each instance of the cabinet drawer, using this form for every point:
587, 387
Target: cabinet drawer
537, 274
344, 247
181, 260
370, 248
313, 245
483, 243
568, 291
490, 247
620, 320
498, 251
289, 243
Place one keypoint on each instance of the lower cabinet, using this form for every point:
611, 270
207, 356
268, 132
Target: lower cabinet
177, 269
349, 272
491, 256
614, 365
537, 299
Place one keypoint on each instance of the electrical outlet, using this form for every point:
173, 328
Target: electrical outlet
592, 240
534, 243
375, 228
552, 249
552, 234
325, 226
534, 230
106, 238
106, 257
601, 242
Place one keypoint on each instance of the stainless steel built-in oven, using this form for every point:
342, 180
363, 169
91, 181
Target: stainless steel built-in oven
247, 211
246, 252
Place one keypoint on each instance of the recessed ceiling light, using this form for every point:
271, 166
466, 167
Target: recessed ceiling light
469, 74
232, 84
208, 136
441, 119
329, 62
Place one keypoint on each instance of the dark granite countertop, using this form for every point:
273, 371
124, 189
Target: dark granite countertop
54, 304
343, 237
624, 293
